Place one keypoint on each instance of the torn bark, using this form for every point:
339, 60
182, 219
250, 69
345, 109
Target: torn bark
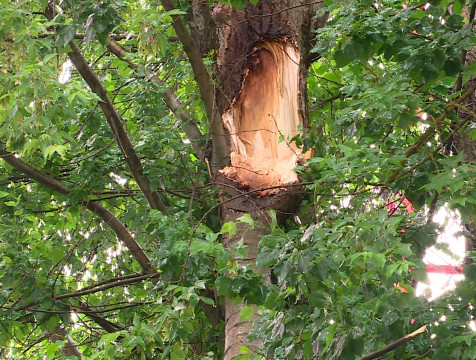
265, 116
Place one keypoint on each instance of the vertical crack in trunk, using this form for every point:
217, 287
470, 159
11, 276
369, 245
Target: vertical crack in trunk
264, 117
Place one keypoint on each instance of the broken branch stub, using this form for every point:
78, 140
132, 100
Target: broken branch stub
264, 117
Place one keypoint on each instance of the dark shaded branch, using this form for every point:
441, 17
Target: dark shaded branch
323, 102
103, 287
395, 344
186, 121
121, 231
81, 36
213, 313
220, 146
115, 123
123, 234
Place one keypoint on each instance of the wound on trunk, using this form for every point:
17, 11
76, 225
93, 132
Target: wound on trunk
264, 117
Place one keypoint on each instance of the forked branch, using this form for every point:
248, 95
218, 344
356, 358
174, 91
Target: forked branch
113, 118
204, 82
115, 123
187, 123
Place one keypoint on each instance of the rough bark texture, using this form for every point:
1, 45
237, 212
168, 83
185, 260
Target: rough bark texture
262, 56
239, 31
461, 141
70, 349
237, 202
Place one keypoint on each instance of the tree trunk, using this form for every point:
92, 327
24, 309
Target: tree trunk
461, 140
262, 57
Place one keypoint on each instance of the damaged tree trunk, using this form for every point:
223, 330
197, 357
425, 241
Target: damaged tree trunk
262, 61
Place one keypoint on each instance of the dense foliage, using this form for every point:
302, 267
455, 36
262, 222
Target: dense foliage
386, 97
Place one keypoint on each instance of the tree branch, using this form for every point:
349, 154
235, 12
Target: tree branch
107, 286
60, 333
100, 286
395, 344
188, 124
115, 123
220, 156
121, 231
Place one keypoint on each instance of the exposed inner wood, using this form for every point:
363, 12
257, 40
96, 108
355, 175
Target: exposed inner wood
264, 118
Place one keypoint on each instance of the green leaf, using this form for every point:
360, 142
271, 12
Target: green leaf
244, 349
65, 35
468, 339
246, 312
247, 219
228, 227
458, 6
318, 299
379, 260
341, 58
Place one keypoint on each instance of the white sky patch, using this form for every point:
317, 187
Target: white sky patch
87, 275
452, 255
472, 325
422, 127
345, 201
67, 270
121, 181
65, 74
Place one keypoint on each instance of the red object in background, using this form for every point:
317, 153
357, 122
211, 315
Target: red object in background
444, 269
392, 208
399, 287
